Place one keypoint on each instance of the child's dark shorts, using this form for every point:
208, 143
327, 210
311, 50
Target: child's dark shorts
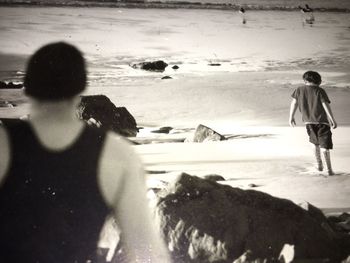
320, 134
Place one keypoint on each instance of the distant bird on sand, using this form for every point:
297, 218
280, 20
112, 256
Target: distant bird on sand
307, 9
241, 10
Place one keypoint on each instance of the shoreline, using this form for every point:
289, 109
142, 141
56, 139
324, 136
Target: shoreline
226, 100
163, 5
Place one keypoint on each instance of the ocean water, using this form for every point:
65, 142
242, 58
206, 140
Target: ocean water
114, 38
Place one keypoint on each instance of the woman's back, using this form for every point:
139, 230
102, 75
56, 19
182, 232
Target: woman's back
57, 179
51, 207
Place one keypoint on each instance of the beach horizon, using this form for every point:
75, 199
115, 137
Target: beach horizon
283, 5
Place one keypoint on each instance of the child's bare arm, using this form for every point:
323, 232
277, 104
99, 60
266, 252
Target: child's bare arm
328, 110
293, 108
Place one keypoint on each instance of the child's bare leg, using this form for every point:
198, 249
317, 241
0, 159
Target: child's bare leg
327, 157
317, 153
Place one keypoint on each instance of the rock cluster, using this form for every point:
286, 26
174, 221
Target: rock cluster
158, 66
165, 130
100, 111
10, 85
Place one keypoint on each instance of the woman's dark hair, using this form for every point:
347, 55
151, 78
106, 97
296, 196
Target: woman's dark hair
313, 77
55, 72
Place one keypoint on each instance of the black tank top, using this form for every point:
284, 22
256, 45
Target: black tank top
51, 208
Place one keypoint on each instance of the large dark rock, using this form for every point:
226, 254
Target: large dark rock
151, 66
10, 85
204, 134
98, 109
204, 221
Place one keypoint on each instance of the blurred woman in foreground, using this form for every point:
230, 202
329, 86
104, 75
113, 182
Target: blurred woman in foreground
60, 178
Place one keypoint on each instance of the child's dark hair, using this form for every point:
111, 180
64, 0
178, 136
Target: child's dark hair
313, 77
55, 72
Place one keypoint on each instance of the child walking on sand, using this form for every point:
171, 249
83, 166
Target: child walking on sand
316, 112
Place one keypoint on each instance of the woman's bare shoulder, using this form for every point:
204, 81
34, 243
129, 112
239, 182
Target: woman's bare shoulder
118, 161
118, 146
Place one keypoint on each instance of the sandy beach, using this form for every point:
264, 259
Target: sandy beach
276, 160
246, 98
